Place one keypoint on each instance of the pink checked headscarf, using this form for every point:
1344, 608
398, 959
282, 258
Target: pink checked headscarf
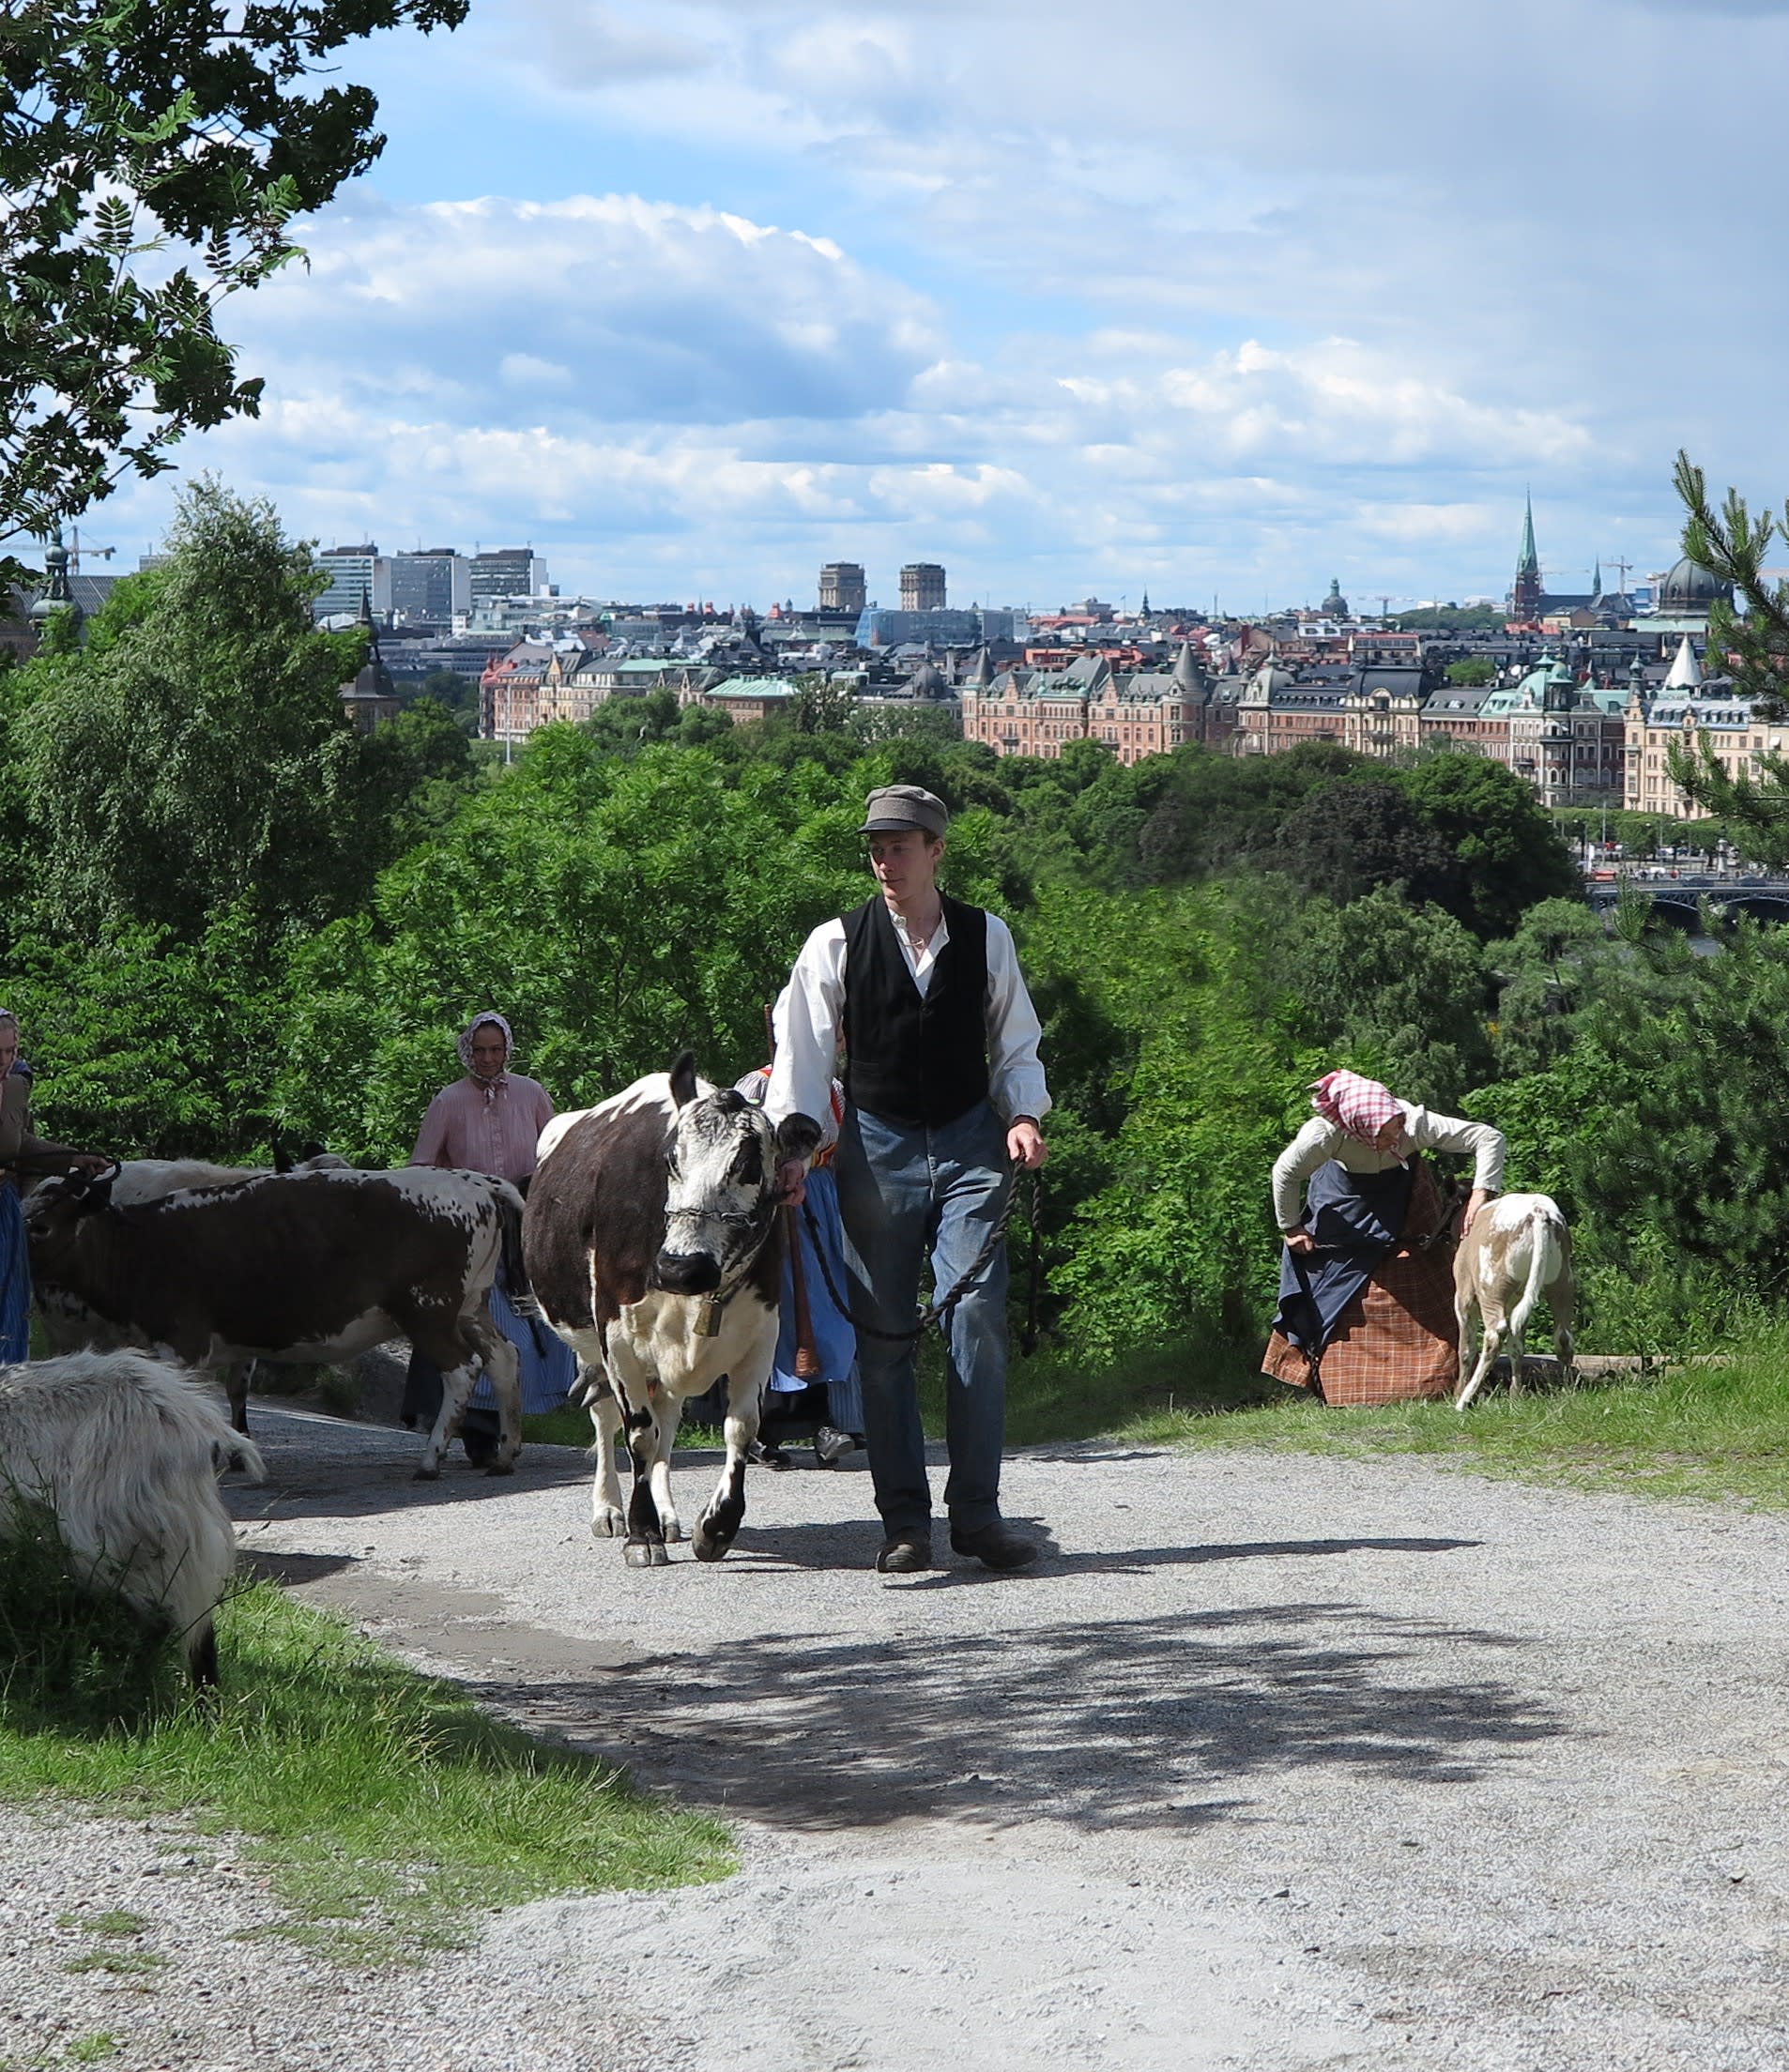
1361, 1107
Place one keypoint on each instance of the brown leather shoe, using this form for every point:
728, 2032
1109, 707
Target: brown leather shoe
995, 1546
905, 1553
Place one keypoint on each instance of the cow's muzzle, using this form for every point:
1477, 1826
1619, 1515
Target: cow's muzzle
687, 1272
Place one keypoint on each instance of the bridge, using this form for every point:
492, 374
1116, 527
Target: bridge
1677, 900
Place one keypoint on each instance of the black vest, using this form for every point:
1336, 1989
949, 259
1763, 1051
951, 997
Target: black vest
916, 1061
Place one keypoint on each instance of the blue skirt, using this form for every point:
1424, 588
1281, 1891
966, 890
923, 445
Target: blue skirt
549, 1367
15, 1280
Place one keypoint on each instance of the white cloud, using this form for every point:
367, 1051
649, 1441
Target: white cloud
1288, 290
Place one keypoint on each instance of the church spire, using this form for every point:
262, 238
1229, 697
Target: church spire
1525, 596
1596, 582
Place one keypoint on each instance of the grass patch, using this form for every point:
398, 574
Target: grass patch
1711, 1431
568, 1425
114, 1921
94, 2049
126, 1963
387, 1809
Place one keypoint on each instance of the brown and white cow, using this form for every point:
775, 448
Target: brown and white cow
655, 1249
68, 1326
297, 1267
1518, 1248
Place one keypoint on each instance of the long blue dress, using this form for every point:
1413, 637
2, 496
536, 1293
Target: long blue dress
15, 1280
835, 1340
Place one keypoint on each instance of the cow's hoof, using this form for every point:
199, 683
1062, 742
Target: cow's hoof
501, 1468
710, 1545
426, 1473
673, 1532
607, 1525
645, 1554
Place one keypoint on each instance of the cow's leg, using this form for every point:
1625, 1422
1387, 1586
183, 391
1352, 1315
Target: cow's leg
645, 1546
1490, 1322
236, 1386
202, 1655
670, 1415
606, 1519
457, 1356
503, 1364
1561, 1299
719, 1525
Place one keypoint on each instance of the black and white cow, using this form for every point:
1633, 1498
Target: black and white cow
655, 1249
295, 1267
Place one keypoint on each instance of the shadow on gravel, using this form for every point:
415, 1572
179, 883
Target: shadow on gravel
293, 1570
317, 1476
1120, 1723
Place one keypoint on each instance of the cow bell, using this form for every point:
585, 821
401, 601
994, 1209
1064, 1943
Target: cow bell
707, 1319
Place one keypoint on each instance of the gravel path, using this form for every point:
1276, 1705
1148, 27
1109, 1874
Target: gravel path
1273, 1761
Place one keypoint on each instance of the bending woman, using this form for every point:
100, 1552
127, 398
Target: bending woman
1365, 1280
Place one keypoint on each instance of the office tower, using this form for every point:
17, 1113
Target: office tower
430, 587
842, 588
922, 587
356, 575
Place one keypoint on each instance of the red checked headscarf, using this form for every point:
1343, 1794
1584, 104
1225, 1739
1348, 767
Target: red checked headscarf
1357, 1106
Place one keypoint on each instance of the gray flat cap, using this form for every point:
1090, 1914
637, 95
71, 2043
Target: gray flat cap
895, 807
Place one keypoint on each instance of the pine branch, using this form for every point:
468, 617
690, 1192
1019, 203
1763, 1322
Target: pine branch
1731, 544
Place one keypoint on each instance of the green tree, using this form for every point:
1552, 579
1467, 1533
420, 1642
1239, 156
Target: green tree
1471, 671
1509, 853
130, 130
1353, 835
1397, 991
200, 746
1181, 1235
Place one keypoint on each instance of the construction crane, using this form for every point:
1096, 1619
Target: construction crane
93, 553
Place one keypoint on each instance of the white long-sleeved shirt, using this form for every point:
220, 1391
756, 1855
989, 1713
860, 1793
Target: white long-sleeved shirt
1319, 1141
811, 1008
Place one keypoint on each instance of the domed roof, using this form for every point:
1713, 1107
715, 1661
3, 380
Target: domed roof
927, 681
1690, 587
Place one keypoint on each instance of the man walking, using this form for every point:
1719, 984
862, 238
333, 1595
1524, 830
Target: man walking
943, 1097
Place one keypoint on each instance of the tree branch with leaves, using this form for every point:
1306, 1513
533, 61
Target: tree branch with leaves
153, 157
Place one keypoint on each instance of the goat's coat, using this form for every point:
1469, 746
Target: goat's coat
1518, 1248
125, 1451
645, 1212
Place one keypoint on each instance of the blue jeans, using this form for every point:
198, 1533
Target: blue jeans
903, 1192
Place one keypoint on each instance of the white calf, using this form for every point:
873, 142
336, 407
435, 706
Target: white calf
125, 1451
1517, 1248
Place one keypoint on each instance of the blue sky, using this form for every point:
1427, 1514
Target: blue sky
1191, 299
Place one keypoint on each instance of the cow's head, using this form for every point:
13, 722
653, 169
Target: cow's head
55, 1209
721, 1159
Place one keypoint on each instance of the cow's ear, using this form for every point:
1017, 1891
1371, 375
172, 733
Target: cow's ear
683, 1078
797, 1136
89, 1192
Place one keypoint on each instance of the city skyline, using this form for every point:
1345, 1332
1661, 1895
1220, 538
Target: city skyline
696, 297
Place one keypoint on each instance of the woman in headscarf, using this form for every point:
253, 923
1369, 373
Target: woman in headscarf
24, 1155
489, 1121
1366, 1279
